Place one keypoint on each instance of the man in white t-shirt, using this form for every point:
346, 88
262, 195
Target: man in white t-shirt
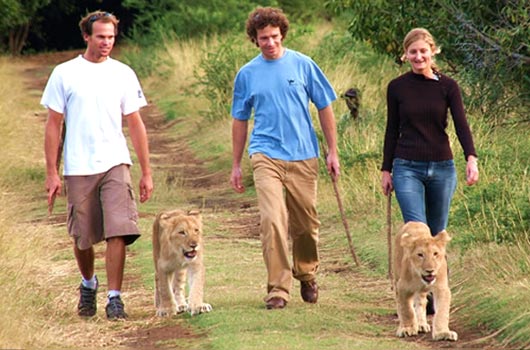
93, 94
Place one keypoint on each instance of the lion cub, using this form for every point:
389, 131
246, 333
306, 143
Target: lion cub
177, 252
420, 267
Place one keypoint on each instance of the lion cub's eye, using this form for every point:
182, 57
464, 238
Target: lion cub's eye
420, 255
182, 233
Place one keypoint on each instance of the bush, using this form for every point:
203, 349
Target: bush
192, 18
485, 40
145, 51
217, 71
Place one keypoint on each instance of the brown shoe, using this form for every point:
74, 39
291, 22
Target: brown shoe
276, 303
309, 291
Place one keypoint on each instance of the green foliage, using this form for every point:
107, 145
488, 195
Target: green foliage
487, 41
8, 12
498, 209
156, 21
496, 280
192, 18
217, 71
15, 12
303, 11
507, 213
333, 48
16, 17
483, 215
146, 51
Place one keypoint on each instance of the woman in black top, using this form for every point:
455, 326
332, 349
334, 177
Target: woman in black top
418, 161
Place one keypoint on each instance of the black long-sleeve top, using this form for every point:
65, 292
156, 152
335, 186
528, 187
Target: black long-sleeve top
417, 118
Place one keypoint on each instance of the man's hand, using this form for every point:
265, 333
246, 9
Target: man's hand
146, 188
333, 166
53, 187
236, 180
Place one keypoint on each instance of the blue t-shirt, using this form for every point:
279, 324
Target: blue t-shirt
279, 92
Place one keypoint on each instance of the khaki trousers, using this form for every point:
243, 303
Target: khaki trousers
287, 193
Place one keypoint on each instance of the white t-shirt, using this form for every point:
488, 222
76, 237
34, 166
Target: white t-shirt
93, 97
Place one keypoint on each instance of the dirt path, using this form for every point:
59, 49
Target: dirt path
145, 331
175, 158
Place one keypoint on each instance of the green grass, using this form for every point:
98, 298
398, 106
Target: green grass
493, 213
489, 222
236, 285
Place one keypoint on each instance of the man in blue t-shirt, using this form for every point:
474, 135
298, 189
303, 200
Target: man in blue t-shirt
277, 86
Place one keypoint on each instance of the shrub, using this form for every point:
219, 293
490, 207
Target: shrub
486, 40
216, 74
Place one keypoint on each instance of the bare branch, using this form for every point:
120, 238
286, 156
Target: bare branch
460, 17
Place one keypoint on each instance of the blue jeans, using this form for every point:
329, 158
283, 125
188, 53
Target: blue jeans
424, 191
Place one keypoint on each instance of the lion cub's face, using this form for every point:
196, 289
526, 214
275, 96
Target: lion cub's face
420, 265
426, 254
182, 233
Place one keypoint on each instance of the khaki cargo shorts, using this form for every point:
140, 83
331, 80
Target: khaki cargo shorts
101, 206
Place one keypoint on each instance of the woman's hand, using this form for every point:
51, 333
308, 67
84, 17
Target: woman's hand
471, 171
386, 182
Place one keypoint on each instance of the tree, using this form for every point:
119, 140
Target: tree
484, 40
16, 19
190, 18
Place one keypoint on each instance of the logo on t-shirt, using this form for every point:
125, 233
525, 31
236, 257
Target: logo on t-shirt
139, 93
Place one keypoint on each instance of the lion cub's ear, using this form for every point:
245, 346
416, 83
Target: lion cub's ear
407, 240
194, 212
443, 237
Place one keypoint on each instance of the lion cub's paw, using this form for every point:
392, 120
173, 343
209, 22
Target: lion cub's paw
448, 335
182, 308
407, 331
424, 328
200, 309
165, 312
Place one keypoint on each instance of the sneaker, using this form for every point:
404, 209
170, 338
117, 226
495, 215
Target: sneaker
115, 309
87, 306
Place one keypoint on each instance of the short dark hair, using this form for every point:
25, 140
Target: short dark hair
264, 16
85, 24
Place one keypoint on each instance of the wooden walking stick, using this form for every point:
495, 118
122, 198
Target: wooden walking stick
389, 236
345, 222
343, 217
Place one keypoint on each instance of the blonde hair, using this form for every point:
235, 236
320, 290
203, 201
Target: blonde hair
86, 23
420, 34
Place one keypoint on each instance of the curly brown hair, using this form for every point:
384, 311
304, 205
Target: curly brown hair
85, 24
263, 17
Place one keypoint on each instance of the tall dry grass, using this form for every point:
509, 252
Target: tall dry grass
481, 217
486, 277
38, 274
24, 257
235, 295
